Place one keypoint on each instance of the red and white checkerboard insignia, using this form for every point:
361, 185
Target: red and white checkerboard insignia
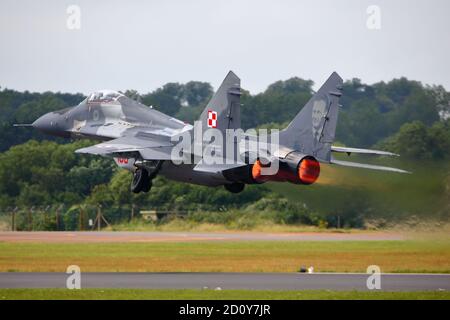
212, 119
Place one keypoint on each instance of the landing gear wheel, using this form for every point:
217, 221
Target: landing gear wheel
235, 187
146, 187
140, 180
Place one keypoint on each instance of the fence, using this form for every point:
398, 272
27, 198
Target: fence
62, 218
78, 217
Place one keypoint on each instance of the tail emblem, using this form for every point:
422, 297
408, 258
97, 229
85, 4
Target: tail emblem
212, 119
318, 114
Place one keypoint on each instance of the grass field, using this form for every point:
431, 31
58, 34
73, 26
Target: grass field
104, 294
256, 256
182, 225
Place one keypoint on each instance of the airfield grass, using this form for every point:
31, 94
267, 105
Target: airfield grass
183, 225
145, 294
432, 256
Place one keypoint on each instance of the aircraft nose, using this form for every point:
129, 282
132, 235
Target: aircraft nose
46, 123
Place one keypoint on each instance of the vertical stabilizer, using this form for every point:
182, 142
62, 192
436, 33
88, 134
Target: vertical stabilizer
312, 131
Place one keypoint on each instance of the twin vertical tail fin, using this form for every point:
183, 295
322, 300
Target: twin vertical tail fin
223, 110
312, 131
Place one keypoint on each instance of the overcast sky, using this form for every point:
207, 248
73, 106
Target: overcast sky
144, 44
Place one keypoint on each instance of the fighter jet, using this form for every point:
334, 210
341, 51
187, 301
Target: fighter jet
147, 142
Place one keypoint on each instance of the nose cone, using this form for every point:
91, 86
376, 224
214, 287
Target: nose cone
46, 123
51, 123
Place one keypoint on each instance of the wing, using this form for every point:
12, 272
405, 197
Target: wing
149, 149
361, 151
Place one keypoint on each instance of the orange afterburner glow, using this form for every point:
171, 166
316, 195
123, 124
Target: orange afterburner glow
307, 172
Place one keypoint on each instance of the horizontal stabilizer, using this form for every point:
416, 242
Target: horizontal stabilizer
366, 166
362, 151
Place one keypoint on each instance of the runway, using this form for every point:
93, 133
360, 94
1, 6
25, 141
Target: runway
252, 281
118, 236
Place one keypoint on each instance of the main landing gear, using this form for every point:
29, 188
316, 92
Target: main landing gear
141, 181
235, 187
146, 171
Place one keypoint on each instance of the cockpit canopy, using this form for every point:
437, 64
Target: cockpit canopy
104, 96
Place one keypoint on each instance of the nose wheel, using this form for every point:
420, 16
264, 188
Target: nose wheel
141, 181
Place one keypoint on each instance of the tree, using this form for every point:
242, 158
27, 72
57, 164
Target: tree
37, 172
412, 141
279, 103
197, 93
439, 135
167, 99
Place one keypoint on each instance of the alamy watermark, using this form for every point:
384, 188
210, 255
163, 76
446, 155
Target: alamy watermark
73, 21
74, 279
373, 21
374, 280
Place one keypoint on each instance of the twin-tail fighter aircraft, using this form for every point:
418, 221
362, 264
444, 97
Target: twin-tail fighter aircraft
148, 142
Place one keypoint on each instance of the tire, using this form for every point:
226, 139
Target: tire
140, 179
235, 187
147, 186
